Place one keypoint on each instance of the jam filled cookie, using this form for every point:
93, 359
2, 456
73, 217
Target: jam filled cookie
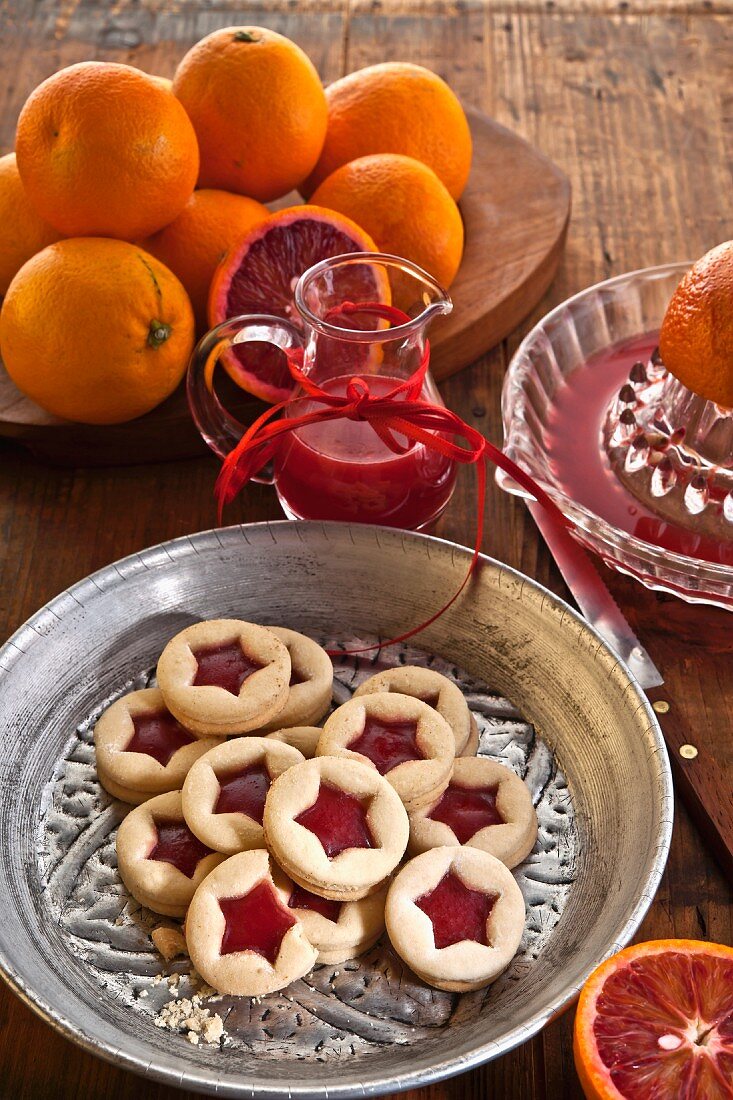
474, 738
303, 738
485, 806
407, 741
224, 676
456, 917
241, 936
311, 682
160, 860
433, 688
142, 750
224, 793
339, 930
336, 827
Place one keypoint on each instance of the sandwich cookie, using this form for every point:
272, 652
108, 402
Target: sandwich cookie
311, 682
486, 806
224, 794
241, 936
407, 741
474, 738
336, 827
456, 917
339, 930
142, 750
303, 738
224, 676
432, 688
160, 860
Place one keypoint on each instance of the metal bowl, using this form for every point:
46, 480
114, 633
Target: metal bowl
587, 885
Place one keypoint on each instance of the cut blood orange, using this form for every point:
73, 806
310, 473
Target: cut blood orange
655, 1022
259, 276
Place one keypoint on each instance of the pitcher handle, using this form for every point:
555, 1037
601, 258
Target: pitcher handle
219, 429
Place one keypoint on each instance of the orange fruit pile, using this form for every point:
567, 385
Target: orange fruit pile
696, 340
176, 173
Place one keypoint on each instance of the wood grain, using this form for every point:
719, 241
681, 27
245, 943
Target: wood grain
515, 210
632, 100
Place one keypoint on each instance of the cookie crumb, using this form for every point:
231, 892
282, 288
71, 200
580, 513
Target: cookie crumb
213, 1029
169, 942
206, 991
142, 993
183, 1015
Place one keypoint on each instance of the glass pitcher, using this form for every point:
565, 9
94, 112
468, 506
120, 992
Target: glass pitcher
365, 316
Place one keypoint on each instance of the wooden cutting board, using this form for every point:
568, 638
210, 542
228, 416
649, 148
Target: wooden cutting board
515, 209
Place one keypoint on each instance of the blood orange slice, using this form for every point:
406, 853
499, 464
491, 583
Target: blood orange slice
259, 276
655, 1022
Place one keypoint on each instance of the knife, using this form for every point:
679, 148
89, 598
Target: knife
700, 781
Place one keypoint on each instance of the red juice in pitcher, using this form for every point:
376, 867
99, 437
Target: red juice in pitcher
356, 317
341, 470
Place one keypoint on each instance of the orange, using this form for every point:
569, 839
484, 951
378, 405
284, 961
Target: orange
655, 1022
163, 81
104, 150
696, 341
259, 276
396, 107
258, 108
402, 204
96, 330
22, 231
193, 245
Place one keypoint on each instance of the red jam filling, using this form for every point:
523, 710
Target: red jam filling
244, 792
456, 912
339, 821
224, 666
387, 743
159, 735
176, 844
257, 922
303, 899
467, 809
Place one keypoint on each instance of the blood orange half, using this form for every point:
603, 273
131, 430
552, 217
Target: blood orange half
655, 1022
259, 276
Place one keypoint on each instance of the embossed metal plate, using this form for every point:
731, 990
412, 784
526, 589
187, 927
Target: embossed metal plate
78, 948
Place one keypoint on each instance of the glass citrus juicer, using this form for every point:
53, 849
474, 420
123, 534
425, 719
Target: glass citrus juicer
641, 464
357, 326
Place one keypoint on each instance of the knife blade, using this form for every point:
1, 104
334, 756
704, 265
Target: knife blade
594, 600
701, 782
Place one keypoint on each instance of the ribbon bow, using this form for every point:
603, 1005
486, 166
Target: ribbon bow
401, 411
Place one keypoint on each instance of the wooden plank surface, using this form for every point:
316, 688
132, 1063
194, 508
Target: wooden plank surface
633, 101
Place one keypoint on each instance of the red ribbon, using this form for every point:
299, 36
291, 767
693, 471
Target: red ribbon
399, 411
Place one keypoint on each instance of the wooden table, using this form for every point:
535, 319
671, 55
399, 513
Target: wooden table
633, 100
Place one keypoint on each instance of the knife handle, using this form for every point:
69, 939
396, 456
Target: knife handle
703, 786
